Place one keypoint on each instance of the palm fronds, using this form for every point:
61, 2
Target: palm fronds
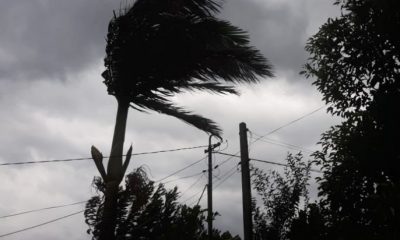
160, 48
164, 106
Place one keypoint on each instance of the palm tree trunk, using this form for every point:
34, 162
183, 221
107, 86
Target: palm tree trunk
114, 174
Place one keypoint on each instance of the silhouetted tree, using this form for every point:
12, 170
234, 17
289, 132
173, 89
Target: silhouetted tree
309, 224
156, 49
355, 60
149, 212
281, 196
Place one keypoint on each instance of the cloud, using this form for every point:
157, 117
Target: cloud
280, 28
51, 38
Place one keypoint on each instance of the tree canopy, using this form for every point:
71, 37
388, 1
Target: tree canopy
156, 49
281, 196
149, 211
355, 60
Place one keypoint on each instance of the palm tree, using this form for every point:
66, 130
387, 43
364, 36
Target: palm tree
158, 48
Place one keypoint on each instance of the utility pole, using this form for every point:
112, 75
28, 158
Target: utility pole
246, 185
210, 149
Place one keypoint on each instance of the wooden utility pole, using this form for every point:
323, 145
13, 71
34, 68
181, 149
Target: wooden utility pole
209, 185
246, 185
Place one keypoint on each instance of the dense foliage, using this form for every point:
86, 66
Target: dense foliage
355, 60
281, 196
147, 211
355, 64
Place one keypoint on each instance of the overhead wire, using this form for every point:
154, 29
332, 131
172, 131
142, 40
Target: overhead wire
223, 162
275, 130
202, 193
228, 174
41, 224
182, 169
287, 124
191, 186
222, 181
80, 202
265, 161
75, 213
216, 167
197, 193
283, 144
269, 162
76, 203
90, 158
216, 176
189, 176
192, 196
42, 209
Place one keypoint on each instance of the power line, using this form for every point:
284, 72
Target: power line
269, 162
216, 176
230, 175
197, 193
182, 169
76, 203
287, 124
41, 224
194, 195
168, 150
192, 185
41, 209
90, 158
275, 130
223, 162
189, 176
202, 192
204, 189
227, 172
265, 161
283, 144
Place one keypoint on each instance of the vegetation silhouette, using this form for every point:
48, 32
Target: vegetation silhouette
355, 64
282, 197
355, 60
149, 212
156, 49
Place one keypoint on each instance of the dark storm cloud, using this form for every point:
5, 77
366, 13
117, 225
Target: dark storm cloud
279, 28
272, 29
49, 38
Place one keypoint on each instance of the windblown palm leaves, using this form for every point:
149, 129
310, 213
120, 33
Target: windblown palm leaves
158, 48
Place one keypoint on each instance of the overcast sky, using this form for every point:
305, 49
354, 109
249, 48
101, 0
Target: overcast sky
54, 105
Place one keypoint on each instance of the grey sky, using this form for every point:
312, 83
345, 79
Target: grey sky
51, 38
54, 105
